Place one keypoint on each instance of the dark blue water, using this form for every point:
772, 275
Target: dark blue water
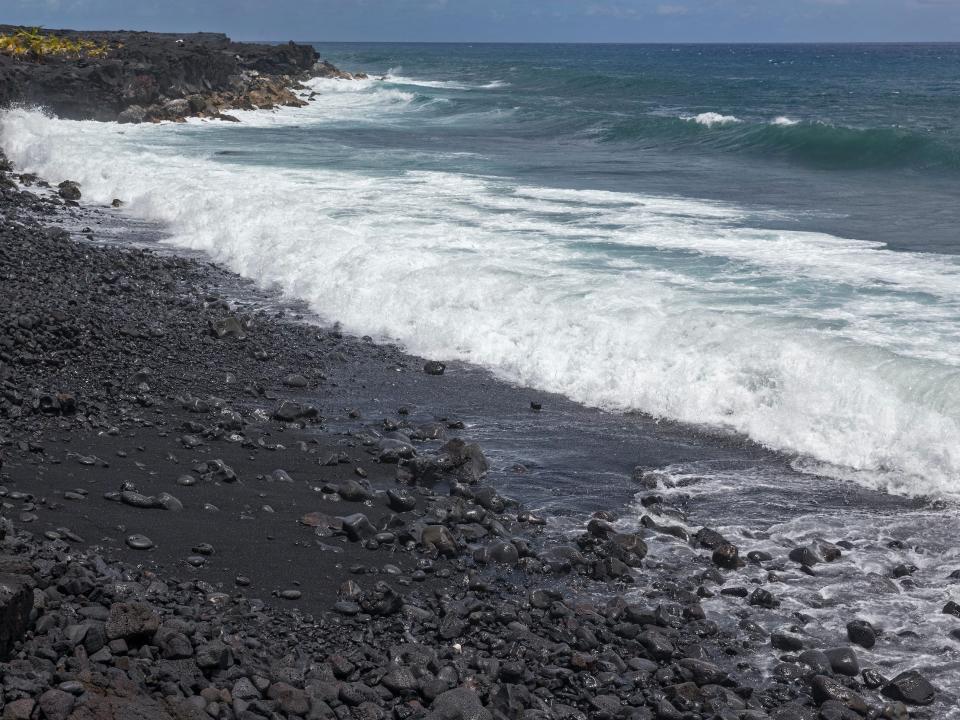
875, 151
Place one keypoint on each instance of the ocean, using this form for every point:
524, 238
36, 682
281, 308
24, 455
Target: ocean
753, 243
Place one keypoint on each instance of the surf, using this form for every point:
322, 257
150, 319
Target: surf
681, 308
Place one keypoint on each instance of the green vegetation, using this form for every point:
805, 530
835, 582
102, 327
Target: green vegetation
31, 44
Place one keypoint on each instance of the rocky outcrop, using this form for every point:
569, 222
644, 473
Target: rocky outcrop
152, 76
16, 602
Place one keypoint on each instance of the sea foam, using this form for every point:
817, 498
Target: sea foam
711, 118
835, 350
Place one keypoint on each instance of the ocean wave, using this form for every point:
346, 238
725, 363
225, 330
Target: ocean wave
396, 79
616, 299
819, 144
332, 100
711, 118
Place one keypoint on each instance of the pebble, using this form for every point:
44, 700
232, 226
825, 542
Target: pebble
139, 542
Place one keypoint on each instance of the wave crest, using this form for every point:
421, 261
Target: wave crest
819, 144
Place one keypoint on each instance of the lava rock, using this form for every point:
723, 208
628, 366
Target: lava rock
69, 190
357, 527
843, 661
804, 556
763, 598
910, 687
434, 367
57, 704
133, 622
861, 633
439, 538
400, 500
458, 704
727, 556
16, 602
951, 608
826, 689
504, 553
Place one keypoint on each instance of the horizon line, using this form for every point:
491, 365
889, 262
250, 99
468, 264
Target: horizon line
596, 42
899, 41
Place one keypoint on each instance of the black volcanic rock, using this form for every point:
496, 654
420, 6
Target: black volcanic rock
910, 687
150, 76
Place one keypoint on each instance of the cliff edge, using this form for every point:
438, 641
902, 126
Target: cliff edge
141, 76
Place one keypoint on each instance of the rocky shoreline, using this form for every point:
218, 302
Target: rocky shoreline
152, 77
196, 525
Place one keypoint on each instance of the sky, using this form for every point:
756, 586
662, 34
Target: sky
510, 20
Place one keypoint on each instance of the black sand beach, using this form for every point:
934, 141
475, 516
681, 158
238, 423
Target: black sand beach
214, 508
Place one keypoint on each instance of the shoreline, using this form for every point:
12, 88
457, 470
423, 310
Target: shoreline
683, 679
572, 565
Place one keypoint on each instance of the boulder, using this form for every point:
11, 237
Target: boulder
357, 527
434, 367
214, 655
843, 661
382, 600
292, 701
910, 687
229, 326
827, 689
727, 556
399, 500
458, 704
289, 411
437, 537
16, 602
805, 556
504, 553
133, 622
56, 704
763, 598
861, 633
69, 190
134, 115
139, 707
177, 108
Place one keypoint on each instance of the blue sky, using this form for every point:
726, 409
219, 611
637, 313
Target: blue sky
511, 20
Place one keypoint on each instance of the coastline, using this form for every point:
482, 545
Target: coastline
630, 631
155, 77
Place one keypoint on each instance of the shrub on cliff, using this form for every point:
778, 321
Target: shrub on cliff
33, 45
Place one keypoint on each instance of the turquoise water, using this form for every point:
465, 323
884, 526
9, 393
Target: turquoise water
756, 239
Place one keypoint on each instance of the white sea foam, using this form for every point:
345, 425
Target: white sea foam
711, 118
784, 120
395, 79
331, 101
741, 498
838, 350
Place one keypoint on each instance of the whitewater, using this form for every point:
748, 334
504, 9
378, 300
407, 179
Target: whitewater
837, 351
